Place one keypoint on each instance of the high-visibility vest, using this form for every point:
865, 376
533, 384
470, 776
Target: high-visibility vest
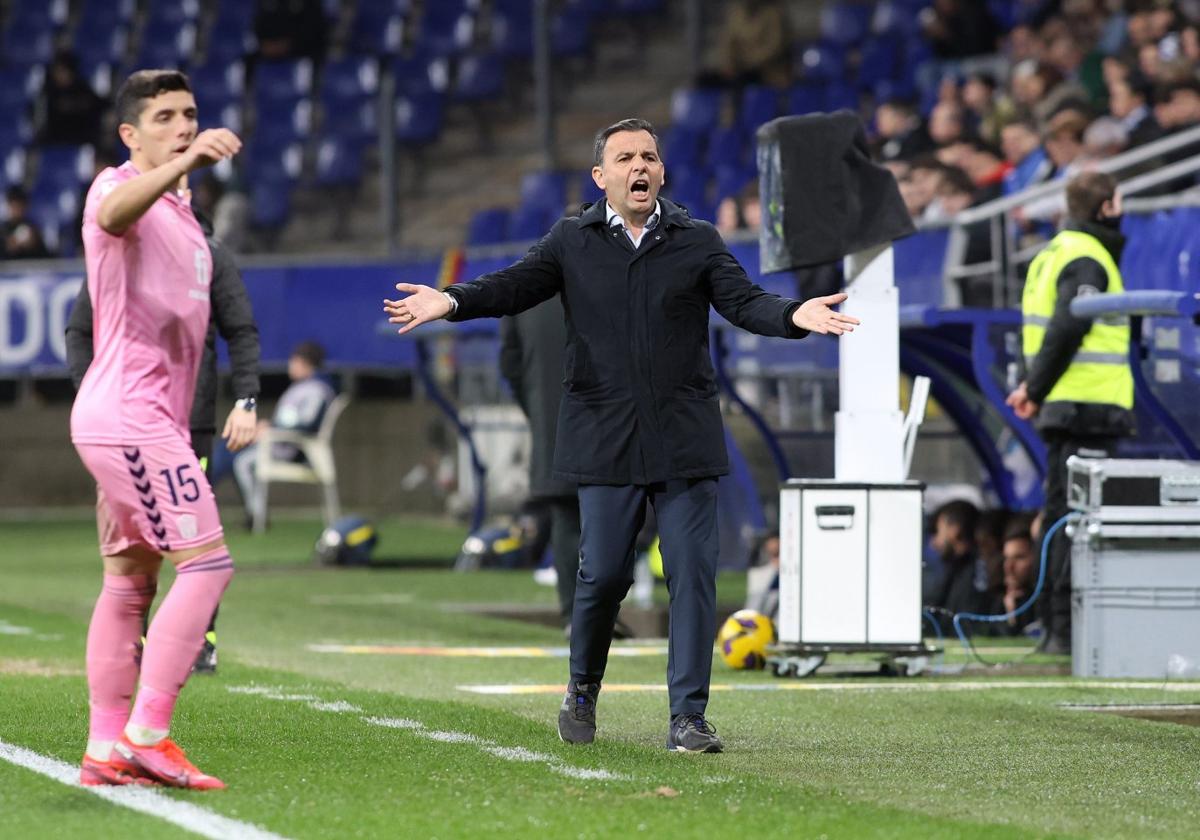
1099, 372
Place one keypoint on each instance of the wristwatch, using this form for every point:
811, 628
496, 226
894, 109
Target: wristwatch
247, 403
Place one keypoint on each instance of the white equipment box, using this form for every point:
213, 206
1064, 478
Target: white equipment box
850, 564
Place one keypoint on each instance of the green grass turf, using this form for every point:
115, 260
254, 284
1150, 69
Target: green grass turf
994, 763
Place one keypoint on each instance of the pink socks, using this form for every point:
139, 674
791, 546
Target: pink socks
113, 648
176, 636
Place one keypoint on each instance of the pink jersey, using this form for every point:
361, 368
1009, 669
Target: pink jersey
150, 299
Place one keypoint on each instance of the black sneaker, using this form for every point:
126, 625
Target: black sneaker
206, 662
692, 733
577, 716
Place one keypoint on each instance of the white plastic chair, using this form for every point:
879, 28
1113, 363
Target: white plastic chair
317, 468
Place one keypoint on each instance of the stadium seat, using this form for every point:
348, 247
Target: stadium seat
488, 226
68, 167
446, 27
270, 205
279, 122
231, 37
683, 147
27, 42
689, 188
571, 32
285, 80
729, 181
638, 7
317, 468
349, 80
806, 98
18, 88
758, 105
725, 149
823, 62
421, 72
698, 109
266, 163
339, 163
166, 45
840, 95
845, 24
218, 81
478, 78
546, 189
879, 61
512, 30
589, 193
378, 28
531, 221
419, 118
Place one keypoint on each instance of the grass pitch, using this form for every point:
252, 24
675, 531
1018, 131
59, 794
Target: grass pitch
320, 744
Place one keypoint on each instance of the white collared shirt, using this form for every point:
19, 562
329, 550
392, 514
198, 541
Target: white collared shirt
651, 223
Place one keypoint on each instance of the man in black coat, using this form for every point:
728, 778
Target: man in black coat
233, 318
639, 419
531, 359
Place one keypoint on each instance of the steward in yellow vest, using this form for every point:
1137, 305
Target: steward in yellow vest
1078, 382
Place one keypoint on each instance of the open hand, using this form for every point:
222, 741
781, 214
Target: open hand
816, 315
210, 146
423, 304
241, 428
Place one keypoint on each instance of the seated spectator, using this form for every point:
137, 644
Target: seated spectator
755, 44
291, 29
987, 169
955, 193
301, 408
1020, 573
958, 588
740, 212
899, 133
1063, 140
1178, 106
1104, 138
920, 187
1129, 100
1023, 150
69, 112
762, 578
989, 538
20, 238
987, 107
946, 124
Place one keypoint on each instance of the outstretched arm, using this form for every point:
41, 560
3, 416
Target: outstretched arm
818, 315
423, 304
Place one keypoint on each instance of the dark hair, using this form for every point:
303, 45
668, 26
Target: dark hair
16, 193
1018, 529
1087, 192
143, 85
962, 514
631, 124
310, 352
956, 180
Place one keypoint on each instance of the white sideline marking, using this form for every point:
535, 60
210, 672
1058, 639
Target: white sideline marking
472, 652
906, 685
366, 599
149, 801
419, 729
7, 629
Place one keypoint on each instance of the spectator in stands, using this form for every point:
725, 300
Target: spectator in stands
740, 212
291, 29
755, 44
960, 28
986, 107
1023, 149
1104, 138
301, 408
946, 124
762, 578
899, 133
1020, 571
1064, 144
955, 192
68, 112
987, 168
1178, 107
227, 208
922, 184
1129, 100
958, 588
20, 238
989, 539
1078, 382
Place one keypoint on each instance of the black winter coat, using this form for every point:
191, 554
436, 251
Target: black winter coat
232, 317
639, 403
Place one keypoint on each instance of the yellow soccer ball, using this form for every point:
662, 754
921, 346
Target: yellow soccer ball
743, 639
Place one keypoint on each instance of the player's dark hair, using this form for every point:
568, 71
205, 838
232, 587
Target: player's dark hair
310, 352
1018, 529
1086, 194
143, 85
632, 124
963, 515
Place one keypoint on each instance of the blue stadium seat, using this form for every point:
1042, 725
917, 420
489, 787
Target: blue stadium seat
571, 32
512, 30
531, 221
637, 7
171, 13
731, 180
823, 62
698, 109
218, 81
885, 89
280, 122
419, 118
270, 205
27, 42
51, 14
339, 163
841, 95
266, 163
689, 188
421, 72
166, 45
545, 188
488, 226
231, 37
378, 27
759, 105
845, 24
725, 149
880, 57
18, 88
683, 147
806, 98
446, 27
348, 81
355, 124
64, 167
288, 79
478, 78
589, 193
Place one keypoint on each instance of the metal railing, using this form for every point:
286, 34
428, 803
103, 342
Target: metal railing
1006, 253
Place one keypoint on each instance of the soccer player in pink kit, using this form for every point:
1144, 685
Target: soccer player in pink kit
148, 270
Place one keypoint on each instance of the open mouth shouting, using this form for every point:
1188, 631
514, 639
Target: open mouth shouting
639, 190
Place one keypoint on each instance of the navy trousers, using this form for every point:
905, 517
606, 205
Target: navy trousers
686, 511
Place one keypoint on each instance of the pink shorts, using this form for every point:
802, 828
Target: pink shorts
153, 495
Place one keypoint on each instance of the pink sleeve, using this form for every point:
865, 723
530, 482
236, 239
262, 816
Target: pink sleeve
105, 183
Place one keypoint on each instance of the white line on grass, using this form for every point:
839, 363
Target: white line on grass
474, 652
797, 685
191, 817
419, 729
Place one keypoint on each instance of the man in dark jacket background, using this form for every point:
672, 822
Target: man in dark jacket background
232, 318
1078, 382
639, 419
531, 359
